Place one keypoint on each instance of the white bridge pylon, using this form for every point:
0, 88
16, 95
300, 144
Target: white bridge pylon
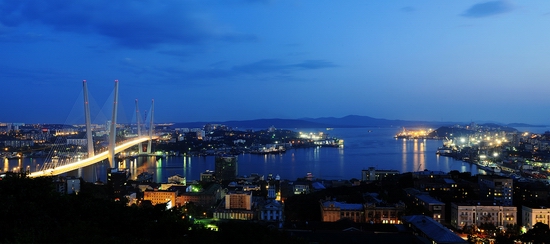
91, 160
81, 167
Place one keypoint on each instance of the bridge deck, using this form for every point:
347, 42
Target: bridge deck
89, 161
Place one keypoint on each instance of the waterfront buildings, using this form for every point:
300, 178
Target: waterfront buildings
177, 179
207, 176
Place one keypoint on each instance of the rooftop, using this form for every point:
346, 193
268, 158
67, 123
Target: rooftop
343, 206
432, 229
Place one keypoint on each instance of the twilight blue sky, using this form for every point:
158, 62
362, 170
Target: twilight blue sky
207, 60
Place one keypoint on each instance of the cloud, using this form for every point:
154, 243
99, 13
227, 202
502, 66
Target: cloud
276, 66
314, 64
488, 9
259, 69
134, 24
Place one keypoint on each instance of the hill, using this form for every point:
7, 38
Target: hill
349, 121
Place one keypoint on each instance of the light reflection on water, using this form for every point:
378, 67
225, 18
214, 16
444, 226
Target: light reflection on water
364, 147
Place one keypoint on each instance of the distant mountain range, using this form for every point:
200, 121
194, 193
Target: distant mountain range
349, 121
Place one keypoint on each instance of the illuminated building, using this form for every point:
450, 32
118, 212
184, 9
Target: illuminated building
239, 200
207, 176
470, 214
67, 185
226, 168
381, 212
373, 174
301, 187
78, 142
332, 211
497, 189
237, 205
531, 216
18, 143
272, 210
205, 198
116, 180
160, 196
423, 199
177, 179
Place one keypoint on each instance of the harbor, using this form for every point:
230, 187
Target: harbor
519, 155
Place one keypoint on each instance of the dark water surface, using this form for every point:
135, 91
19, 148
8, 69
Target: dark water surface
363, 148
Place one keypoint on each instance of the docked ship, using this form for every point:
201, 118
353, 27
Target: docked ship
413, 134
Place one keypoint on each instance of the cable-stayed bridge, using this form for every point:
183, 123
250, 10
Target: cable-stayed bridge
57, 168
85, 166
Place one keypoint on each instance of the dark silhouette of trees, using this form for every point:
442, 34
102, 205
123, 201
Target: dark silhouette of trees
539, 234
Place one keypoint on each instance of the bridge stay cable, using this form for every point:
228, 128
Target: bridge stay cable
64, 158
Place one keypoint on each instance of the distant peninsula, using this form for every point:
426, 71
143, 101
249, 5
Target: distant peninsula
350, 121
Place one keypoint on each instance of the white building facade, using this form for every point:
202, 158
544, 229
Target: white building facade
531, 216
463, 214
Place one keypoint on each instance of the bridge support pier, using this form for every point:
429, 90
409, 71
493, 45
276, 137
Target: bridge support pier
112, 132
87, 173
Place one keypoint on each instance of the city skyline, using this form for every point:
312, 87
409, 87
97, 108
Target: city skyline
253, 59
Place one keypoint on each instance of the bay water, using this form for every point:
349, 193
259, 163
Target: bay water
363, 148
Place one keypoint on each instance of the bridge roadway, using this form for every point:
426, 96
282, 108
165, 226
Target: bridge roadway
89, 161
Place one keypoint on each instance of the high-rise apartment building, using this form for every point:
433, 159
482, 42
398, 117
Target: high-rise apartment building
226, 168
497, 189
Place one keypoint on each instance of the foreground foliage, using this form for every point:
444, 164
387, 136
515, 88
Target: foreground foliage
32, 211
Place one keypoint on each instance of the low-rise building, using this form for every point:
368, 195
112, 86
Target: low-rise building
470, 214
532, 215
384, 213
380, 212
237, 205
423, 199
238, 200
430, 229
207, 176
373, 174
272, 210
333, 211
301, 187
203, 197
177, 179
160, 196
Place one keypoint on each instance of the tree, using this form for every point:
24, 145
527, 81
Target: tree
539, 234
